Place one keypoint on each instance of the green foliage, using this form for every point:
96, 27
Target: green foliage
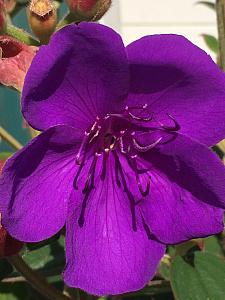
201, 278
48, 259
208, 4
211, 42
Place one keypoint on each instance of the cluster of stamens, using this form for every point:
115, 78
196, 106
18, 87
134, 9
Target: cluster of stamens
116, 133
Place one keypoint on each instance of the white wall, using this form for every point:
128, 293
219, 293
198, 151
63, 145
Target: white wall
136, 18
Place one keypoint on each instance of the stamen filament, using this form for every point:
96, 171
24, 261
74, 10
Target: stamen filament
145, 148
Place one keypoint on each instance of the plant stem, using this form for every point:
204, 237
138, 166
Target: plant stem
21, 35
10, 139
221, 31
36, 280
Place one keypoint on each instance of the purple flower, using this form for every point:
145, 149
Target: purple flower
123, 159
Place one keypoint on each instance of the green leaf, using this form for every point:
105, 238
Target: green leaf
201, 279
211, 42
208, 4
13, 291
5, 155
213, 245
49, 260
155, 287
5, 268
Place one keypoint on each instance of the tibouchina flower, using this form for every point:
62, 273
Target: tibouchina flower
123, 159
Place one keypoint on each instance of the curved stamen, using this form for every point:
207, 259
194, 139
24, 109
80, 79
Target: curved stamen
95, 135
147, 189
127, 191
144, 192
176, 126
140, 118
145, 148
121, 144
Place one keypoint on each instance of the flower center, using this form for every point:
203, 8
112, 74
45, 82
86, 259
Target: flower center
120, 134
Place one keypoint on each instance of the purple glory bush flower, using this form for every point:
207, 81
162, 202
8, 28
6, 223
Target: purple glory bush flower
123, 160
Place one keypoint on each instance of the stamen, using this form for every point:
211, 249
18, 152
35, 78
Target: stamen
95, 135
83, 144
145, 148
140, 118
121, 144
176, 126
105, 158
85, 140
91, 174
143, 192
126, 190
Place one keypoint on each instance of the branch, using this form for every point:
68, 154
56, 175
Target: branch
10, 139
36, 280
221, 31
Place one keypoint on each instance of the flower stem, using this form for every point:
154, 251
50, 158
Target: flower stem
21, 35
36, 280
10, 139
68, 19
221, 31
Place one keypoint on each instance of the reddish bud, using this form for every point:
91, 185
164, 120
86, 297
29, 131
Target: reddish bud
42, 18
10, 5
8, 245
15, 59
89, 10
2, 16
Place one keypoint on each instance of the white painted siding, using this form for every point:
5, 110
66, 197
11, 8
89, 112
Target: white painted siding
136, 18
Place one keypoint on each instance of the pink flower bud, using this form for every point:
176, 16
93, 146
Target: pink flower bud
42, 18
10, 5
2, 16
89, 9
15, 59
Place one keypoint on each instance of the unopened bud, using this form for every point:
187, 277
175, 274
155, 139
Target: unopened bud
89, 10
15, 59
2, 16
42, 18
10, 5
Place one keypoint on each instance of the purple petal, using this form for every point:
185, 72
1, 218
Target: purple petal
105, 255
187, 191
36, 185
81, 74
175, 77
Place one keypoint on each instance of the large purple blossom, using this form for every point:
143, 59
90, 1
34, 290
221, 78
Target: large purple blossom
123, 159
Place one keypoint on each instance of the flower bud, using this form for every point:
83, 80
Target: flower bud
15, 59
89, 10
2, 16
8, 245
42, 18
10, 5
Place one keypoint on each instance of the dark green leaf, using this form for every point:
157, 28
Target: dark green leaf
14, 291
208, 4
49, 259
164, 270
213, 245
202, 279
211, 42
154, 288
5, 268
